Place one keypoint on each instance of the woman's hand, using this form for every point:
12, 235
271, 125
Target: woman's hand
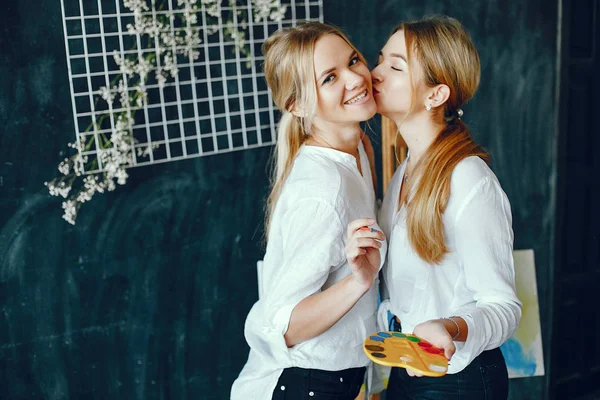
435, 332
362, 251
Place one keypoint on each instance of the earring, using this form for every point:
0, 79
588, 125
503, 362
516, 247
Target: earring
428, 108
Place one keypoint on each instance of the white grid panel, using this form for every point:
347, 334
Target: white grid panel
217, 103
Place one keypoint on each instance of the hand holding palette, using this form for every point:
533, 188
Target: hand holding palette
396, 349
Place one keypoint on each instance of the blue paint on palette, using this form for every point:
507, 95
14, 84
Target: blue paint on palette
384, 334
376, 338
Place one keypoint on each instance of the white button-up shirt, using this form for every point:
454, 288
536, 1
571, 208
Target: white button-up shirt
305, 255
475, 280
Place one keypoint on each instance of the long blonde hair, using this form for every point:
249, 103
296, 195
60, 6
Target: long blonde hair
446, 54
289, 71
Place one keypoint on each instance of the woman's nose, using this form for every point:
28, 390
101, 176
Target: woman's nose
354, 80
375, 75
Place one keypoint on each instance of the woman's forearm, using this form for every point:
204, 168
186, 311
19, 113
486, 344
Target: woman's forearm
319, 312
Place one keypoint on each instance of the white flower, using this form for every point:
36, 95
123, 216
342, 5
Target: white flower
143, 68
134, 5
123, 91
123, 124
64, 167
266, 9
141, 95
70, 211
121, 176
278, 13
160, 78
105, 94
168, 41
110, 185
79, 164
126, 65
61, 189
170, 65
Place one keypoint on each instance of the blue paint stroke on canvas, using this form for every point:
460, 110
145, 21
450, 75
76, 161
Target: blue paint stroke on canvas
517, 360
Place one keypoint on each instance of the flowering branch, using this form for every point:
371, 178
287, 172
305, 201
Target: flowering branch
89, 172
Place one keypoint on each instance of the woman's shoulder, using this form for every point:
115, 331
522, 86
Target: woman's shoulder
470, 172
312, 171
314, 178
471, 168
472, 175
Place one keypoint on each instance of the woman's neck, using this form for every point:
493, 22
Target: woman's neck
343, 139
418, 136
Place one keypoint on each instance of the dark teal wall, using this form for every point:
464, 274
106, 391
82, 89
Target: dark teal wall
146, 296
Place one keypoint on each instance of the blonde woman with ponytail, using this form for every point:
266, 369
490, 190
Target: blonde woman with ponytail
306, 330
449, 275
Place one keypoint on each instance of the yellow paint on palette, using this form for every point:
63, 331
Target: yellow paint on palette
395, 349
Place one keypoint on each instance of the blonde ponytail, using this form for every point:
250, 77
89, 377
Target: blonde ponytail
426, 208
290, 137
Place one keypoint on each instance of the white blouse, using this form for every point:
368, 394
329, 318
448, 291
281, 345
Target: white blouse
305, 254
475, 280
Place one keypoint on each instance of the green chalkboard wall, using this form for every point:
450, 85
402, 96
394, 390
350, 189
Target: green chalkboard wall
145, 298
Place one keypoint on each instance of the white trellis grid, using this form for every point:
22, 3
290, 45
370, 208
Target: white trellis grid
216, 103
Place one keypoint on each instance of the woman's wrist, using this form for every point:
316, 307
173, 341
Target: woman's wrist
451, 326
359, 285
456, 327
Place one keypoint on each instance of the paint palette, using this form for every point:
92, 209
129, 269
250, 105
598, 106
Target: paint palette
395, 349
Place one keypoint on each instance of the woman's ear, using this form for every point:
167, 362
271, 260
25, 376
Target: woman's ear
439, 95
295, 110
298, 112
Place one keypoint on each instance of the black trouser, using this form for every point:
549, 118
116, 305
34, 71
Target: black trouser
316, 384
485, 378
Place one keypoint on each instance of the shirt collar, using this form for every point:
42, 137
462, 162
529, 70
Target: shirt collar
332, 154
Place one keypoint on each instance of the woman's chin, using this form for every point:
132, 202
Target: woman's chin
366, 111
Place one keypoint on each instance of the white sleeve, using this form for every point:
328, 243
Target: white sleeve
484, 243
313, 243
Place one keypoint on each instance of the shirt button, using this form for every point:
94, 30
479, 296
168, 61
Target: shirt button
341, 379
282, 387
311, 394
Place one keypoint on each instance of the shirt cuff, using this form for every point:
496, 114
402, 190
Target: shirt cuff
281, 320
483, 331
277, 330
475, 343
